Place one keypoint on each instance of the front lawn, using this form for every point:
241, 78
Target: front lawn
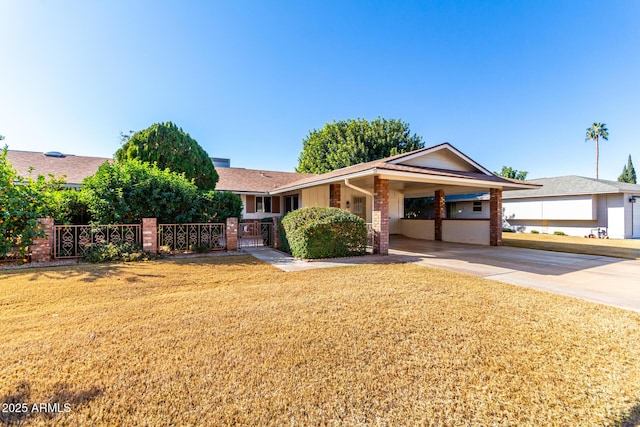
627, 248
233, 341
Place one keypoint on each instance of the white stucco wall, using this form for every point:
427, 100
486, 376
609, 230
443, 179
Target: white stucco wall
466, 231
616, 216
417, 228
635, 213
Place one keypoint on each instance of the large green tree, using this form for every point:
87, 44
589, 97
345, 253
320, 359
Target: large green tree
628, 173
594, 133
169, 147
349, 142
509, 172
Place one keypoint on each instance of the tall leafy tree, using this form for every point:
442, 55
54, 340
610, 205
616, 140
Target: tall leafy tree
594, 133
509, 172
349, 142
628, 173
169, 147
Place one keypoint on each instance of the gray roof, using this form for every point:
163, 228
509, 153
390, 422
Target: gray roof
572, 185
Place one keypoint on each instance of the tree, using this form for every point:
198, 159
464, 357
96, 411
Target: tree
509, 172
345, 143
595, 132
20, 206
169, 147
125, 192
628, 173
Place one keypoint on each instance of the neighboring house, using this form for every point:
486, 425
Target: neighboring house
412, 194
576, 206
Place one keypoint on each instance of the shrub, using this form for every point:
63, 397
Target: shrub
217, 206
126, 252
324, 233
535, 232
507, 230
282, 234
559, 233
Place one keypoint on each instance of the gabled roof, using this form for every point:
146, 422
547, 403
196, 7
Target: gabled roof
240, 180
75, 168
408, 165
573, 185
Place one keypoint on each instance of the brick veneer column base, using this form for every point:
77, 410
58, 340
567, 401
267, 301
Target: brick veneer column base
41, 249
495, 217
231, 233
380, 216
276, 232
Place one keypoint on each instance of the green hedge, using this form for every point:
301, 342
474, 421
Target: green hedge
324, 233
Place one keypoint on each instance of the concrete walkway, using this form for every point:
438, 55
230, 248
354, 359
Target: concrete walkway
611, 281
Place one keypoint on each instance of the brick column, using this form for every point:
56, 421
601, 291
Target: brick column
334, 195
41, 248
150, 235
439, 213
276, 232
495, 217
232, 234
380, 216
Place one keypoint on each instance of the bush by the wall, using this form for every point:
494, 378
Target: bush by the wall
559, 233
126, 252
317, 232
282, 234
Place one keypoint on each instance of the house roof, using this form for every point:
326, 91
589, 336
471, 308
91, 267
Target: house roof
573, 185
75, 168
394, 166
240, 180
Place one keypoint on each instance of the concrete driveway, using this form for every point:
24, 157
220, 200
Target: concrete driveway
606, 280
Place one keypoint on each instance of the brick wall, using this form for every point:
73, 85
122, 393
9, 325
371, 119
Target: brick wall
380, 216
150, 234
232, 234
439, 214
334, 195
495, 217
41, 248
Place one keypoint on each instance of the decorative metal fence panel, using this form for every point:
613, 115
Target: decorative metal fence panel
192, 237
72, 241
254, 234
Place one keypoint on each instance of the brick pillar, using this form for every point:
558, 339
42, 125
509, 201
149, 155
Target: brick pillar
334, 195
439, 213
232, 234
150, 235
495, 217
41, 248
380, 216
276, 232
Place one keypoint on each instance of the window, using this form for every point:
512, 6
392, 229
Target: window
477, 206
290, 203
359, 204
419, 207
263, 204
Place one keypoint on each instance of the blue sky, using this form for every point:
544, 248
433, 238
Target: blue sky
507, 82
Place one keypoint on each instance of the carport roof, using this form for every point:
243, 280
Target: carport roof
396, 168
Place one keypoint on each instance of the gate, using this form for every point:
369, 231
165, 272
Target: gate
192, 237
254, 234
72, 241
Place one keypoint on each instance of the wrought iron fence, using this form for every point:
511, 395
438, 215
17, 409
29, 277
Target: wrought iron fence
192, 237
254, 234
72, 241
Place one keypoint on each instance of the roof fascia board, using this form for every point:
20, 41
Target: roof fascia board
436, 179
334, 179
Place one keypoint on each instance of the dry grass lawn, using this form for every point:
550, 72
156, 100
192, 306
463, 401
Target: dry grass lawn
627, 248
232, 341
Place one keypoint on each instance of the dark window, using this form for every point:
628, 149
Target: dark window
477, 206
263, 204
290, 203
419, 207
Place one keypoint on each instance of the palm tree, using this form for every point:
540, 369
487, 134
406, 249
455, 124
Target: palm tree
598, 130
